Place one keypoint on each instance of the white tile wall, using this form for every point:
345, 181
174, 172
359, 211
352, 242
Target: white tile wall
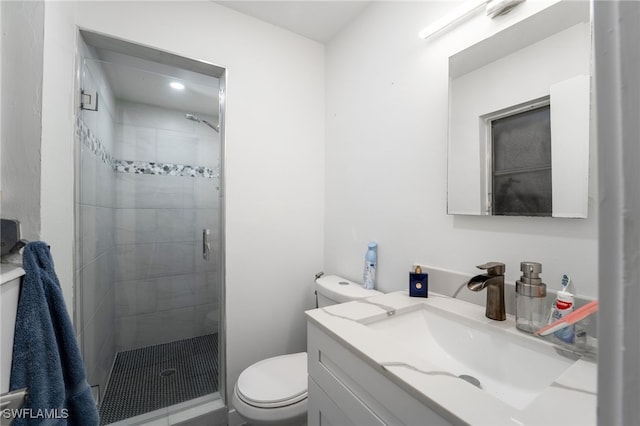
164, 288
96, 238
153, 191
176, 292
177, 147
136, 142
88, 176
205, 323
176, 224
205, 194
149, 133
97, 279
96, 231
135, 225
206, 293
99, 342
154, 328
136, 297
141, 261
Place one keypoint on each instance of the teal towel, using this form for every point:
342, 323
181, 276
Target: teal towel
46, 356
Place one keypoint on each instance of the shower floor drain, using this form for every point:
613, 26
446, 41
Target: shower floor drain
168, 372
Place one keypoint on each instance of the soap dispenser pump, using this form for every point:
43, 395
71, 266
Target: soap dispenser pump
531, 295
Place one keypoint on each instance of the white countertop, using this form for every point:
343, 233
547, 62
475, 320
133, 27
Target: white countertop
570, 400
9, 272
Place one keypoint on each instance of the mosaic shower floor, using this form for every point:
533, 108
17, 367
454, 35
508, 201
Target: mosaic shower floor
155, 377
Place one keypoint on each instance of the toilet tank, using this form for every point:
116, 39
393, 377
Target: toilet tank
9, 291
332, 289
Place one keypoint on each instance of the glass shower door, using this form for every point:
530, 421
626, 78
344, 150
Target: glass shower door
148, 195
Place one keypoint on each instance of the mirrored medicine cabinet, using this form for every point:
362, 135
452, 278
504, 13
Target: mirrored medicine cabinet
519, 118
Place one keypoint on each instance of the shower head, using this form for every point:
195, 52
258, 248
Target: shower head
199, 120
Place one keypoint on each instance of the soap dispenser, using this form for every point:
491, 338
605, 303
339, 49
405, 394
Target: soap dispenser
531, 295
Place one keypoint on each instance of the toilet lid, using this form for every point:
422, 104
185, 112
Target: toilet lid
274, 382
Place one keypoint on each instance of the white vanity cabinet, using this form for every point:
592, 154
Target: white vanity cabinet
345, 390
398, 360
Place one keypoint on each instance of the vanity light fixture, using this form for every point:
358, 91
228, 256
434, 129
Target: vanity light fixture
459, 14
494, 8
176, 85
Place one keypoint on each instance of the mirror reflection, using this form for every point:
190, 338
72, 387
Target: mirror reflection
521, 159
519, 119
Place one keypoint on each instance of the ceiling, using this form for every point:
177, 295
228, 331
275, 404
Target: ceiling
141, 81
145, 76
317, 20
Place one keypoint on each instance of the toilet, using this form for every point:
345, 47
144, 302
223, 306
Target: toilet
274, 391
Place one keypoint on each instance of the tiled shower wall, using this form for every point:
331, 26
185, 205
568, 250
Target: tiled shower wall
165, 290
140, 276
95, 240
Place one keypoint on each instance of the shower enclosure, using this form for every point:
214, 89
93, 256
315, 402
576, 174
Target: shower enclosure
148, 290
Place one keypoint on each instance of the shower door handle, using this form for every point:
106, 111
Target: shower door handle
206, 245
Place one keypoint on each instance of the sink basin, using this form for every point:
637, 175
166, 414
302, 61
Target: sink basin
512, 367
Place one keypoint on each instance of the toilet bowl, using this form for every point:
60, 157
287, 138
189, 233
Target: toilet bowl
273, 392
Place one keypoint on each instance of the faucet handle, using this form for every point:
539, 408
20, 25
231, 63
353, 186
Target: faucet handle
493, 268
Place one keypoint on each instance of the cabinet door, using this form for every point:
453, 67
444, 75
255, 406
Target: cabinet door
322, 411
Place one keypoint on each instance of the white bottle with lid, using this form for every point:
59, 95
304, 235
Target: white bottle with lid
562, 307
370, 263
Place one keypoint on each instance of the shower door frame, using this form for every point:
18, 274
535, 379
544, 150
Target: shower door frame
161, 56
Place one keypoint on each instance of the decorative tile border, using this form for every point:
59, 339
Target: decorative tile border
165, 169
91, 141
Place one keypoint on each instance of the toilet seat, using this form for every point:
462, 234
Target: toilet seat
274, 382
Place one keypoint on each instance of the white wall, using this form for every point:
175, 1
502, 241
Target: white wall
274, 157
22, 46
58, 100
386, 156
